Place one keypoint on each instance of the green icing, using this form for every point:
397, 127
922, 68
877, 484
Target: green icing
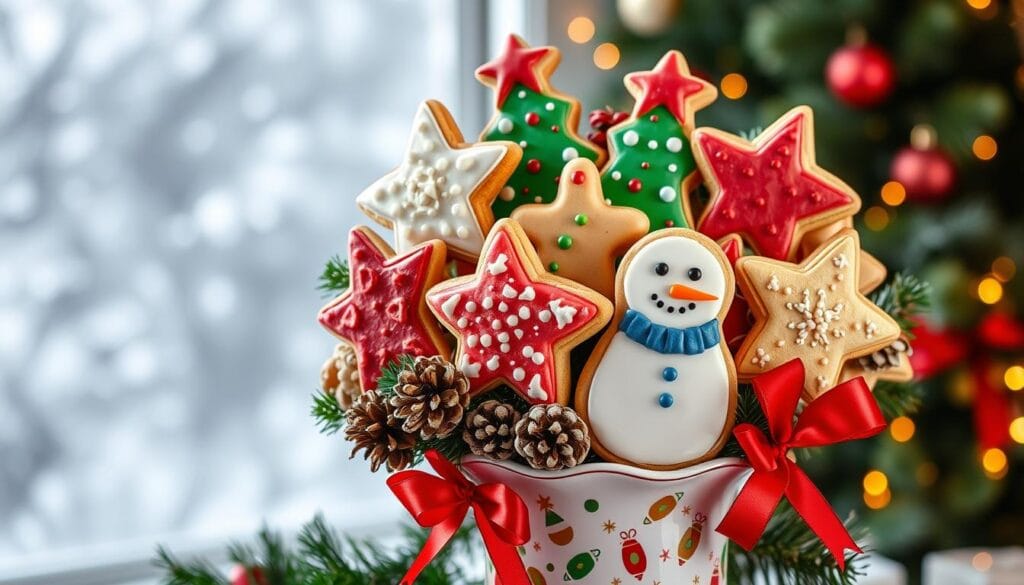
628, 161
543, 145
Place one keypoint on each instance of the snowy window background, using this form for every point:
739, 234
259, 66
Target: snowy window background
172, 176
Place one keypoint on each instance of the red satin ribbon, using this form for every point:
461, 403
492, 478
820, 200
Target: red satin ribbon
441, 504
844, 413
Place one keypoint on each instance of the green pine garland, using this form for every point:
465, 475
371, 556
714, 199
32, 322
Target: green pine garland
334, 280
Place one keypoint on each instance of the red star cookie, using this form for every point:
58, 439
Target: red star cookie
738, 320
383, 314
770, 190
515, 323
671, 85
519, 63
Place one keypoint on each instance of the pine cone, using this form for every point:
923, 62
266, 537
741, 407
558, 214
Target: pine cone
373, 427
339, 376
552, 436
490, 430
887, 357
431, 397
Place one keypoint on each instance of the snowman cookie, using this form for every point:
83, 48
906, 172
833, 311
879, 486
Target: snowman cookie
659, 390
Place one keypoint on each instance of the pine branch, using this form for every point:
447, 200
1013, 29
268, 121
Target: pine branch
790, 553
905, 297
748, 410
334, 280
898, 398
177, 572
389, 375
328, 414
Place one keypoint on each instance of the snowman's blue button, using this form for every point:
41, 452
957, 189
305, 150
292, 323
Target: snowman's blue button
670, 374
665, 400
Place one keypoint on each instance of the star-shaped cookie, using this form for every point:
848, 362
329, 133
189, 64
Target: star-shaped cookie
519, 63
670, 84
885, 369
383, 314
812, 311
444, 188
872, 271
738, 320
515, 323
579, 235
770, 191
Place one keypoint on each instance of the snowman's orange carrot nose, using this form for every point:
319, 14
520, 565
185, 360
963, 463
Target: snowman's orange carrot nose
685, 293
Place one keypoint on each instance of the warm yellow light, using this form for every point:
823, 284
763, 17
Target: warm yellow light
994, 461
878, 502
734, 86
902, 429
985, 147
1004, 268
981, 561
1017, 430
581, 29
893, 193
989, 290
876, 218
606, 56
875, 483
926, 473
979, 4
1014, 377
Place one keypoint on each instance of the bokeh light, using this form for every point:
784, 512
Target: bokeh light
734, 86
876, 218
875, 483
926, 473
990, 290
993, 461
902, 429
1017, 430
979, 4
1004, 268
982, 561
985, 147
877, 502
581, 29
1014, 377
606, 56
893, 193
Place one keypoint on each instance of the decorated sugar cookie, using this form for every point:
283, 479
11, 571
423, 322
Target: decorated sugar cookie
660, 387
383, 314
812, 311
872, 271
580, 236
535, 116
515, 323
770, 191
738, 320
650, 164
443, 189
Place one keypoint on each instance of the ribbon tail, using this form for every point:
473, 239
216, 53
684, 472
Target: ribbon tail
507, 563
819, 515
438, 538
753, 508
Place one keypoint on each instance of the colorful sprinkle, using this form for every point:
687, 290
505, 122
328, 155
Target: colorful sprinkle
565, 241
634, 185
670, 374
533, 166
532, 118
553, 267
581, 219
665, 400
579, 177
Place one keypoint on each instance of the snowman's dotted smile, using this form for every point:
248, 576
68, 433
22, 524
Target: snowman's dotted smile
670, 309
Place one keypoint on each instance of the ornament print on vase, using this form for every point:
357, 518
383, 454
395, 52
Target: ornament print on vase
659, 389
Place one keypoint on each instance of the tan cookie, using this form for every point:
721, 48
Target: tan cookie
514, 322
770, 191
872, 271
812, 311
444, 187
579, 236
659, 390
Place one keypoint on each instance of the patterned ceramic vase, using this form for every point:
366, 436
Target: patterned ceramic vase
605, 523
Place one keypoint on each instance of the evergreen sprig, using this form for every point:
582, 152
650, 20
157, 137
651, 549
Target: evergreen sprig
334, 280
178, 572
898, 398
790, 553
748, 410
903, 298
328, 415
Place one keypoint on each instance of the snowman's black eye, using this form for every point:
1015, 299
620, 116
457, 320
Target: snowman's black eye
694, 274
661, 268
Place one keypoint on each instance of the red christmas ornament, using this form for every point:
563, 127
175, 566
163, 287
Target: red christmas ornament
860, 75
601, 121
926, 171
634, 559
242, 575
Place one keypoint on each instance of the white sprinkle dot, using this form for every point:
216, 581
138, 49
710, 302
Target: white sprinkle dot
549, 107
667, 194
570, 153
674, 144
630, 138
652, 144
505, 125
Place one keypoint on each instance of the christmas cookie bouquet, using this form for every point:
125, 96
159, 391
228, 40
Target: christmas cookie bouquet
611, 347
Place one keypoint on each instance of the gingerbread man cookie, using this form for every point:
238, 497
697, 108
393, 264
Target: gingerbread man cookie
514, 322
770, 191
383, 314
535, 116
812, 311
580, 236
443, 189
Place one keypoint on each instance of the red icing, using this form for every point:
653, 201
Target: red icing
379, 314
579, 177
518, 64
533, 166
481, 330
669, 85
738, 320
763, 193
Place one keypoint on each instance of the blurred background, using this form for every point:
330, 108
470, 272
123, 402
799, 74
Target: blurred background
173, 175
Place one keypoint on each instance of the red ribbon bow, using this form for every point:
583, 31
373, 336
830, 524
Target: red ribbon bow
441, 503
844, 413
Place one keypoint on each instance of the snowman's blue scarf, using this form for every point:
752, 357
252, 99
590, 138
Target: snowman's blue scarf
662, 339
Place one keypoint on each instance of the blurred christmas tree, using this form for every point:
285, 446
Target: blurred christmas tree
917, 106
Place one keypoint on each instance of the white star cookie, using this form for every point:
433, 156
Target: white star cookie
444, 188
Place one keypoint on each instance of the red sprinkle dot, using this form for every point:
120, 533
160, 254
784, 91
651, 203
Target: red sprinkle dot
579, 177
748, 171
784, 151
760, 202
645, 165
669, 223
533, 166
634, 185
654, 117
776, 163
791, 191
772, 229
554, 129
525, 190
532, 118
816, 197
